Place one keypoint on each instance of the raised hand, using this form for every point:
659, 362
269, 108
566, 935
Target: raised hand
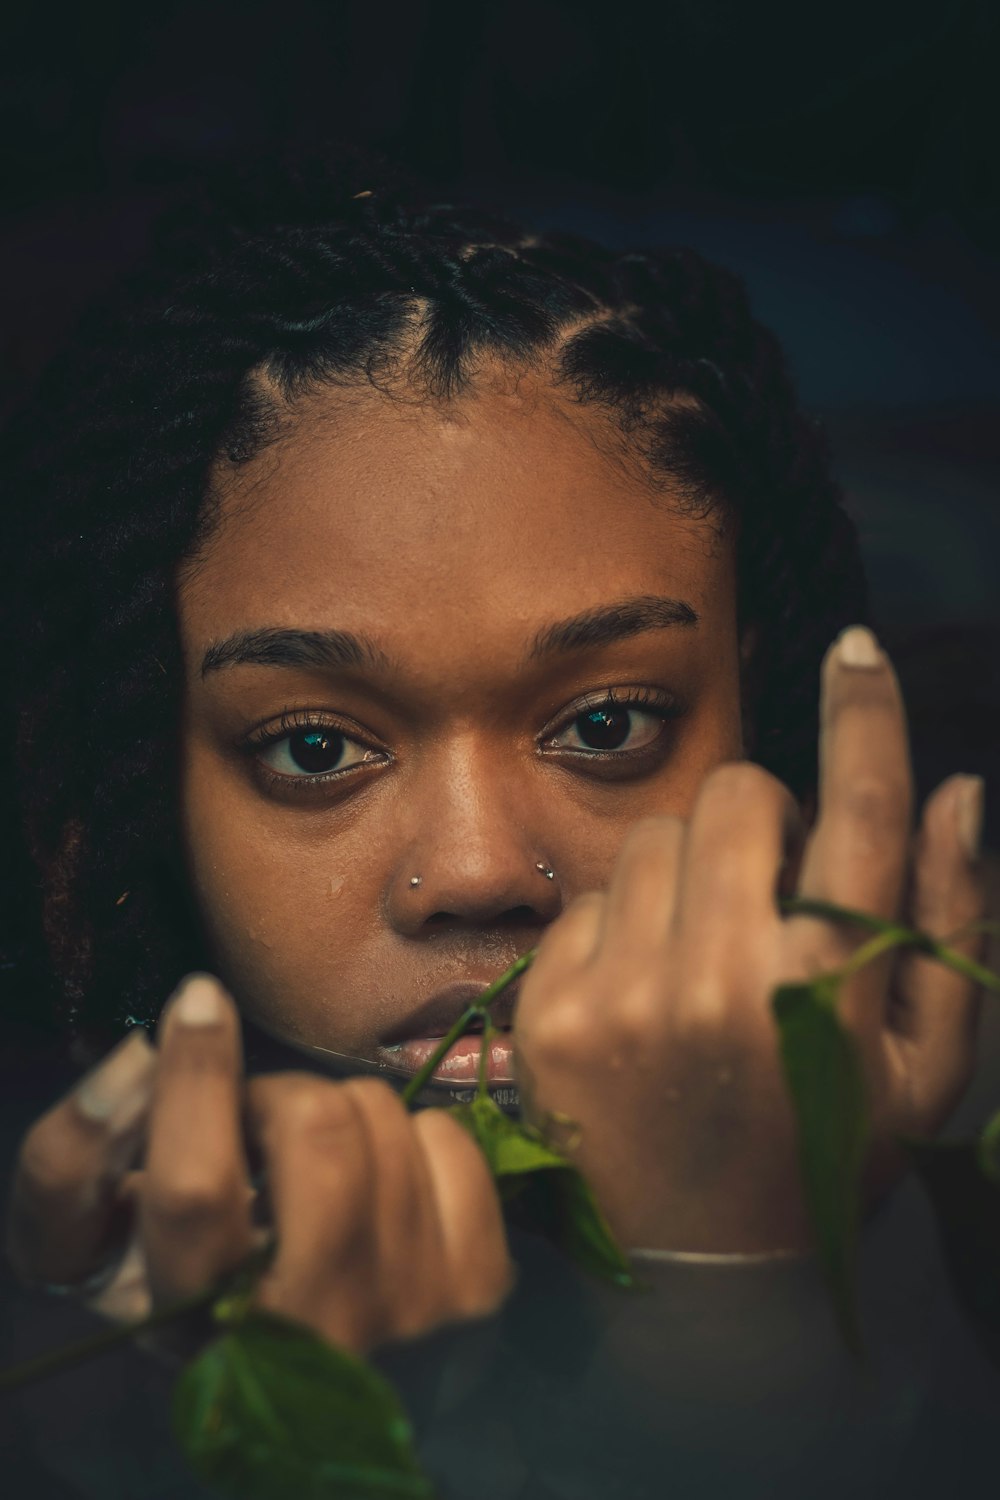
644, 1031
388, 1224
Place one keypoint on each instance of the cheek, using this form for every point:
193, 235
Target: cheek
286, 926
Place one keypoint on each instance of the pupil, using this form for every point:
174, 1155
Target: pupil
605, 729
316, 750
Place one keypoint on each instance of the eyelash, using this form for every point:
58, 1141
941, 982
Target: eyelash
627, 762
292, 721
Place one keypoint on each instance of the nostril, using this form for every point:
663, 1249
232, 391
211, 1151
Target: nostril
518, 916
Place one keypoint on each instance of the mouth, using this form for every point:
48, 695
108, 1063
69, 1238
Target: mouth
410, 1044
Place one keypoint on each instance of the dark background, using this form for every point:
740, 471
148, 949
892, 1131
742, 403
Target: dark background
842, 159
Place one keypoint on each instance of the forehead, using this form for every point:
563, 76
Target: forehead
507, 505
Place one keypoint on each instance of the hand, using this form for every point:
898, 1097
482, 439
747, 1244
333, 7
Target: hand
646, 1018
388, 1224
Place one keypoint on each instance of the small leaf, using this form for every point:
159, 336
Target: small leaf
966, 1203
271, 1411
826, 1082
550, 1194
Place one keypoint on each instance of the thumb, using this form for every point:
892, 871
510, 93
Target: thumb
66, 1214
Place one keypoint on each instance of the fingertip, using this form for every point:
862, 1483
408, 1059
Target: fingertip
200, 999
857, 649
953, 815
971, 800
121, 1085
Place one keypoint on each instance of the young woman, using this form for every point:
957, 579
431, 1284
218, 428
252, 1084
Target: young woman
401, 589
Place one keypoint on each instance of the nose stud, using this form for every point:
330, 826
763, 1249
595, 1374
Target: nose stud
542, 869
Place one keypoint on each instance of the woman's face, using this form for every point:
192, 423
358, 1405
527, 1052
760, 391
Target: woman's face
430, 654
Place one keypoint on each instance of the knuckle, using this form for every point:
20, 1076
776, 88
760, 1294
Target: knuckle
581, 914
739, 780
588, 903
44, 1165
375, 1096
707, 1006
880, 803
633, 1012
558, 1034
189, 1199
436, 1129
317, 1108
652, 828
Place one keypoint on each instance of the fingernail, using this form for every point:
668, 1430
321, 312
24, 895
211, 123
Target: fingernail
857, 647
199, 1003
122, 1085
969, 815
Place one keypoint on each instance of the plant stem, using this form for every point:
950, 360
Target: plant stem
892, 935
74, 1354
484, 1053
419, 1078
242, 1276
461, 1026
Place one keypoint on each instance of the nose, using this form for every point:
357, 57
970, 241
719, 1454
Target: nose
471, 858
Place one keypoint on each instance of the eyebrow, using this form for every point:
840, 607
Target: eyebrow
613, 622
324, 649
333, 650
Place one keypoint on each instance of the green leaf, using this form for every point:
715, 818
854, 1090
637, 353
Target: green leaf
825, 1078
549, 1193
966, 1204
271, 1411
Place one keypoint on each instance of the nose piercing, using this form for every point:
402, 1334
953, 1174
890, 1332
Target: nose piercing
549, 874
414, 879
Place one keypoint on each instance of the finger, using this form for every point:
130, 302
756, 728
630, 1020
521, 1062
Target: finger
641, 899
194, 1205
568, 944
320, 1177
409, 1248
859, 851
64, 1218
743, 823
936, 1009
472, 1229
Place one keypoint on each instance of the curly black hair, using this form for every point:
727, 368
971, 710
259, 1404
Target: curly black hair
261, 288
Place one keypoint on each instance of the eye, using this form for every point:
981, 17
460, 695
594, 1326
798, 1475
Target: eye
313, 752
611, 728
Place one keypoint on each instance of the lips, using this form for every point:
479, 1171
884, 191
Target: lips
438, 1013
460, 1063
408, 1045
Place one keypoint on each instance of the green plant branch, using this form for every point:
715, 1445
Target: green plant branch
479, 1008
423, 1074
109, 1338
894, 935
489, 1032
